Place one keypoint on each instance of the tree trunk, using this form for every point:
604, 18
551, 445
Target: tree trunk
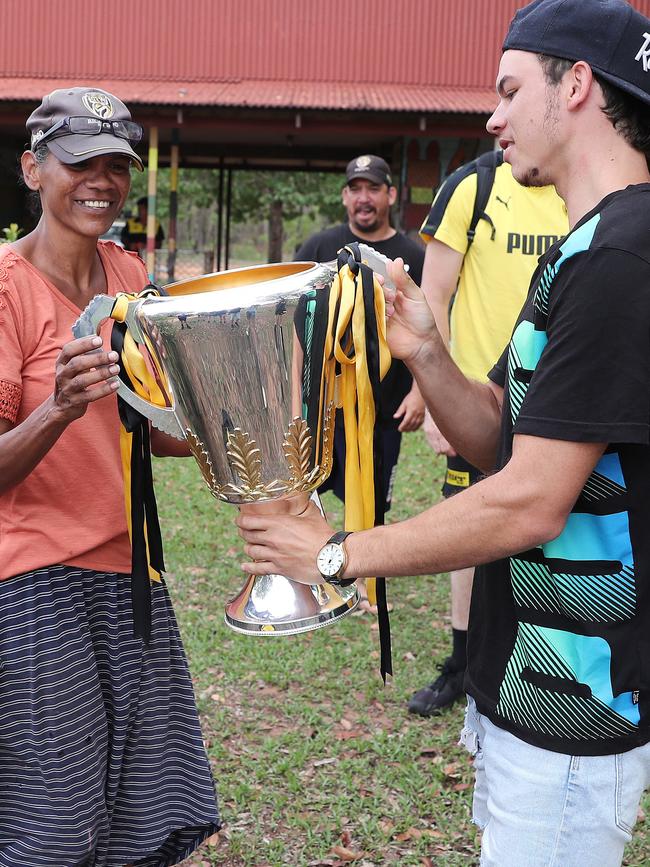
276, 234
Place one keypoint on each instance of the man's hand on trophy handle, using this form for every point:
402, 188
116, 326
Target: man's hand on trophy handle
284, 544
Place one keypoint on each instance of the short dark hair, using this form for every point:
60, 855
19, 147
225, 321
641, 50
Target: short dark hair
143, 200
627, 114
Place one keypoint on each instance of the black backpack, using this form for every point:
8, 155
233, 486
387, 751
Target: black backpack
485, 167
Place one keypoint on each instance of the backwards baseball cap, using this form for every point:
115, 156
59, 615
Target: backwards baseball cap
371, 168
79, 123
609, 35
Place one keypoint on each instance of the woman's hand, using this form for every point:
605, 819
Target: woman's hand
84, 373
283, 543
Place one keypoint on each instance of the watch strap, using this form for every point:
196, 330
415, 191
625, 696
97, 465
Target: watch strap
337, 538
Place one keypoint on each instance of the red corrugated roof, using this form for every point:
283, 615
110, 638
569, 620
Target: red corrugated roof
438, 55
382, 41
272, 94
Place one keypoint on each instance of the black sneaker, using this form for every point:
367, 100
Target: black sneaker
442, 693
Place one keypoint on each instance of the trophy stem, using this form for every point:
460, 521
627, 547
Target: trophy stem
276, 605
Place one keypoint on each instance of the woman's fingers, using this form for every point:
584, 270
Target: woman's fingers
84, 373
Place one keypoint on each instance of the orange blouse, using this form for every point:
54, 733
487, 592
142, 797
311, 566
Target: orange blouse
70, 509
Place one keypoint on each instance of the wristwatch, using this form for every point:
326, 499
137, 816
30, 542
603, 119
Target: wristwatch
332, 560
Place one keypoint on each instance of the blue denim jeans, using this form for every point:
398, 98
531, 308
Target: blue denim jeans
538, 808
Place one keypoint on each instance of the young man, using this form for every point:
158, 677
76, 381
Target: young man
558, 651
368, 195
487, 271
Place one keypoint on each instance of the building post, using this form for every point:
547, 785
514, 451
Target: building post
173, 206
228, 210
220, 215
152, 184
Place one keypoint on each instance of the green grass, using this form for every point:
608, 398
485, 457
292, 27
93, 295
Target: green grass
316, 762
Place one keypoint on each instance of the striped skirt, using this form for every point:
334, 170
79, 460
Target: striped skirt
102, 763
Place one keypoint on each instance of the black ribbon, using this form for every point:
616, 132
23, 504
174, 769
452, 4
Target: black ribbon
351, 256
144, 510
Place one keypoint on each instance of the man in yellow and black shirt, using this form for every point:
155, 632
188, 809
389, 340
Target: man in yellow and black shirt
486, 269
134, 233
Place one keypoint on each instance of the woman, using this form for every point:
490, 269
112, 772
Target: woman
101, 756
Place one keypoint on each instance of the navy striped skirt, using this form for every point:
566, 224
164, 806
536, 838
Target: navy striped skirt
102, 763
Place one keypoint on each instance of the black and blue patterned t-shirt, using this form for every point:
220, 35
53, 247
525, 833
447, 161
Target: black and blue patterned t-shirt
559, 642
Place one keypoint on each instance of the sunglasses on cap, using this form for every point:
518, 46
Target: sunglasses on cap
126, 129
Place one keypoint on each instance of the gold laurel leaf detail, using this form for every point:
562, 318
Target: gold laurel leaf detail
244, 457
297, 450
203, 460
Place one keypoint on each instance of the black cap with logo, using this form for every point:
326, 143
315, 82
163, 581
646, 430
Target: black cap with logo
369, 167
78, 123
609, 35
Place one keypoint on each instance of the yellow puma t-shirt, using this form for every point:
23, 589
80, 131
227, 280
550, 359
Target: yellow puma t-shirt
498, 266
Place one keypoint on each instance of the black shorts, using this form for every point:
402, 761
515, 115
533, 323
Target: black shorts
391, 440
460, 475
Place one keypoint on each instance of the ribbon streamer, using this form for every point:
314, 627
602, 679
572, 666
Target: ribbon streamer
356, 358
147, 561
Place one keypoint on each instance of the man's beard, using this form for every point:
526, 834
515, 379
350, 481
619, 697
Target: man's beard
535, 176
366, 227
532, 178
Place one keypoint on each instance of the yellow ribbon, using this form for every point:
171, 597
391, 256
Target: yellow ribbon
346, 344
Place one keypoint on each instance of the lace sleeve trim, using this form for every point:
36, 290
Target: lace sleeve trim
7, 262
10, 397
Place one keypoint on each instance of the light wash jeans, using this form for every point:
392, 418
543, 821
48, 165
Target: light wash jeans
538, 808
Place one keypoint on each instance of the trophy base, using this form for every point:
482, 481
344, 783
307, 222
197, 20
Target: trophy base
275, 605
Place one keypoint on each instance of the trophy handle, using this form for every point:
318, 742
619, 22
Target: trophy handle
99, 309
377, 262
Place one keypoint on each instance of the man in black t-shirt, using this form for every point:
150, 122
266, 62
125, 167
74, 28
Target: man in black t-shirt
368, 195
559, 632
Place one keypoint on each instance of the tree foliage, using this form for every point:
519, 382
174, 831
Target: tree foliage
254, 192
257, 196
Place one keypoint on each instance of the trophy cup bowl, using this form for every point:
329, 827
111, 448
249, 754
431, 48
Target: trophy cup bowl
227, 346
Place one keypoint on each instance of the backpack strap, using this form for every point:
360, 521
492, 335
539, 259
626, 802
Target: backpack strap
485, 167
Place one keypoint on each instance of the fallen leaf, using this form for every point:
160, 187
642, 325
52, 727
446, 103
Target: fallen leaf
346, 854
348, 736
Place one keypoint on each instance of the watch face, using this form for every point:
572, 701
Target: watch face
331, 559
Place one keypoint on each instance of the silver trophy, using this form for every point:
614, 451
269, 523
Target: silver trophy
227, 346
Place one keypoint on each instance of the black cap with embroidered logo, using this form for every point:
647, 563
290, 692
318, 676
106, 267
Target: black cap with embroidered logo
79, 123
371, 168
609, 35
